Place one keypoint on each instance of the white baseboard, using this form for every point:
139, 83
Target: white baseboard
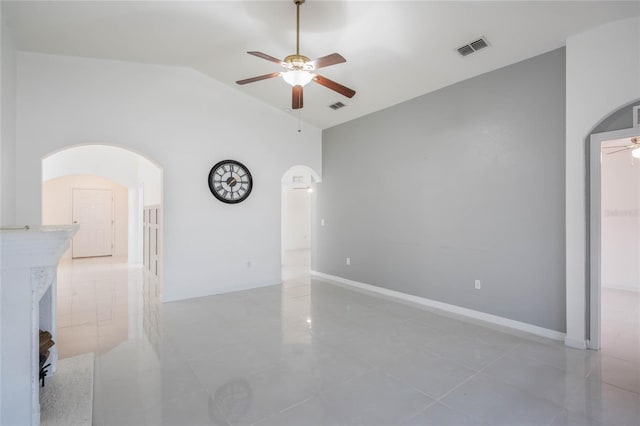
216, 291
575, 343
470, 313
614, 286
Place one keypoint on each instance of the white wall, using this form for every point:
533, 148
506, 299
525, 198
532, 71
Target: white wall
620, 204
110, 162
150, 177
185, 122
57, 205
8, 128
296, 219
603, 73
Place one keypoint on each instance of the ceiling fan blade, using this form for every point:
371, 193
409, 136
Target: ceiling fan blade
336, 87
620, 150
296, 98
325, 61
618, 146
267, 57
258, 78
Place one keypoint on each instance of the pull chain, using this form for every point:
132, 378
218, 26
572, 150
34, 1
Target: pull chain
299, 130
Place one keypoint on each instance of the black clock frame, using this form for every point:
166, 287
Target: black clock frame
211, 184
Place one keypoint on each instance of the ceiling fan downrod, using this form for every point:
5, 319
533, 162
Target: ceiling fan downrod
297, 61
298, 3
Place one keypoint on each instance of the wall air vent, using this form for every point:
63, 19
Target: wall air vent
337, 105
472, 47
636, 116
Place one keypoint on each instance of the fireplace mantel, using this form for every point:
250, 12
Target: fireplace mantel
28, 263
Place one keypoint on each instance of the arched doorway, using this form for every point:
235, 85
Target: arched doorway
614, 234
141, 176
109, 192
297, 224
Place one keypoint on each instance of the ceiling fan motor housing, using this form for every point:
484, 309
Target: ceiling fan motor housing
298, 62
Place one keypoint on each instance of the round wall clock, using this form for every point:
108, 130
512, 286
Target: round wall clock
230, 181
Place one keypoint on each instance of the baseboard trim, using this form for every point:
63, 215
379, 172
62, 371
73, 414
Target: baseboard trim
575, 343
216, 291
470, 313
621, 287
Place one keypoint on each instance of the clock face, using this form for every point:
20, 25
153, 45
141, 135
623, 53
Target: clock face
230, 181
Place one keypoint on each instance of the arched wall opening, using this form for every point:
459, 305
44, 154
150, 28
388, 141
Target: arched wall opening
297, 221
611, 190
98, 166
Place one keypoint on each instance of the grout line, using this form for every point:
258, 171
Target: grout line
477, 373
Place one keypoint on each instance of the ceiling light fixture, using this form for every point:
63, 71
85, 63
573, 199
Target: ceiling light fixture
636, 153
297, 77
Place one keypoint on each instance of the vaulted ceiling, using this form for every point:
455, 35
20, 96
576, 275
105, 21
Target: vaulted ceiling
395, 50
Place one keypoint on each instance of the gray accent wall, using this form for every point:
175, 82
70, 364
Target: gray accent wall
460, 184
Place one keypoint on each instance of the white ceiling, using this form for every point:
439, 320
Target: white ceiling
395, 50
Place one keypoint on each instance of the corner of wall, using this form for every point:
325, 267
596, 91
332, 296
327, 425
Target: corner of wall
8, 125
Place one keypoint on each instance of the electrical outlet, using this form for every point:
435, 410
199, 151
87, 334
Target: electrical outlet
348, 261
478, 285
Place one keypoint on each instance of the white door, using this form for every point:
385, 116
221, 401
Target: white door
93, 212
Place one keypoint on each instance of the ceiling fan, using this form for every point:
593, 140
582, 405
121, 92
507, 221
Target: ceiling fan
300, 70
634, 147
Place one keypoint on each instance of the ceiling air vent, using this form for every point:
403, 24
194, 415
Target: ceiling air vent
472, 47
465, 50
479, 44
337, 105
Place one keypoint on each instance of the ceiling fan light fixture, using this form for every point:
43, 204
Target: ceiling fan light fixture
299, 70
297, 77
636, 153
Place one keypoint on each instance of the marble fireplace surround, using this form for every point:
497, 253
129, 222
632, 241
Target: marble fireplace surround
28, 263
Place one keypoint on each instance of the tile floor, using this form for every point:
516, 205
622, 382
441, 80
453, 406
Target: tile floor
310, 352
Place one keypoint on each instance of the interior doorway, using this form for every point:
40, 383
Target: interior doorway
298, 186
101, 279
615, 244
93, 209
134, 182
98, 205
296, 232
